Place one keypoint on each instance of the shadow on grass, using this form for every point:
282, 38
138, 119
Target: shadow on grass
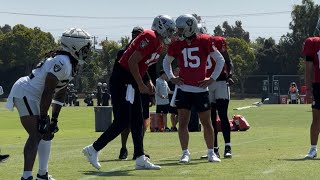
173, 162
299, 159
107, 173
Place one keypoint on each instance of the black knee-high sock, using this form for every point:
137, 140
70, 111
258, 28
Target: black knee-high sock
214, 123
222, 107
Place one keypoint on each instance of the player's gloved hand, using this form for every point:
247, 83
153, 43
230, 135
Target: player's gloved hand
43, 124
54, 125
230, 81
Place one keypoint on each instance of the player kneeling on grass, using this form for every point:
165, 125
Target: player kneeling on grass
47, 84
191, 51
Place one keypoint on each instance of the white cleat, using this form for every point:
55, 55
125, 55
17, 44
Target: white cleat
311, 154
92, 156
212, 157
185, 158
143, 163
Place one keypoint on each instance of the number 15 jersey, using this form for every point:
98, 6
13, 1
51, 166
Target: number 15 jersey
192, 58
312, 48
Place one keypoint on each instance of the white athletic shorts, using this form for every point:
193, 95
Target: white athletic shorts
26, 107
218, 90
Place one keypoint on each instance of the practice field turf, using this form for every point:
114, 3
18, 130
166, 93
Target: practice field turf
273, 148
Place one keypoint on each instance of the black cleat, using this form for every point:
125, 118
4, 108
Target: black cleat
44, 177
216, 151
4, 157
123, 154
174, 129
227, 152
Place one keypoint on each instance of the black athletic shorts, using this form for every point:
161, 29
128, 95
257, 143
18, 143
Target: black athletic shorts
162, 109
316, 95
187, 100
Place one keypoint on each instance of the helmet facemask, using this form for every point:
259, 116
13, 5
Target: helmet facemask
187, 26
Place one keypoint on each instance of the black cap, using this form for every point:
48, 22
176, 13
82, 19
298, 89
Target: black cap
137, 29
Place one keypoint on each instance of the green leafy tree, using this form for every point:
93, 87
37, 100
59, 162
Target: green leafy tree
232, 31
243, 59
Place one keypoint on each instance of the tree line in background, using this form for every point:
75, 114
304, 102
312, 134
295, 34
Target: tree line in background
21, 48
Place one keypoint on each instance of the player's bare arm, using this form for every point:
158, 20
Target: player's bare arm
47, 95
309, 77
133, 61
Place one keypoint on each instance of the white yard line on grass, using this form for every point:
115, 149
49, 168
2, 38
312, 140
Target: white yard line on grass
98, 174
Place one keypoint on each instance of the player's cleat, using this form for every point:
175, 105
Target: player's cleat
185, 158
212, 157
216, 151
227, 152
92, 156
135, 157
123, 154
143, 163
45, 177
29, 178
4, 157
174, 129
311, 154
167, 129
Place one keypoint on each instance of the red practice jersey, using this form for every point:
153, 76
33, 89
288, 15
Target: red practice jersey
192, 58
221, 44
149, 47
311, 48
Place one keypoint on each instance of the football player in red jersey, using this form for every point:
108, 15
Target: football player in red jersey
219, 93
126, 84
311, 50
191, 52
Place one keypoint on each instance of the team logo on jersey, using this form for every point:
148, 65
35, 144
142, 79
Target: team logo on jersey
56, 68
143, 43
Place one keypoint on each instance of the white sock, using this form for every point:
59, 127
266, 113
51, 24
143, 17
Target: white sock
228, 144
313, 146
210, 151
186, 151
26, 174
43, 156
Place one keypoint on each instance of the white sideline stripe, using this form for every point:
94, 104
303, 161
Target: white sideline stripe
99, 174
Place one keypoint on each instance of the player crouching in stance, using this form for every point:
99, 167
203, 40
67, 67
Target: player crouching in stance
191, 51
47, 84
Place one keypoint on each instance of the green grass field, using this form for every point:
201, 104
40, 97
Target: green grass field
273, 148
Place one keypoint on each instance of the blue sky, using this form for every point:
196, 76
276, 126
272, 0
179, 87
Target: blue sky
112, 25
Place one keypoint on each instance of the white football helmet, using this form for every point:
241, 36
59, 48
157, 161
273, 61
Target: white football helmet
99, 84
186, 26
104, 84
202, 29
77, 42
165, 26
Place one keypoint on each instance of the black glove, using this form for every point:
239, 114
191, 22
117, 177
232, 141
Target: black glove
230, 81
54, 125
43, 124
